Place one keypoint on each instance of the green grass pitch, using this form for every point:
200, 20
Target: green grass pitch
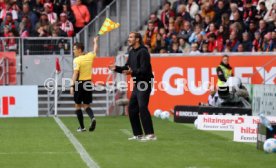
40, 143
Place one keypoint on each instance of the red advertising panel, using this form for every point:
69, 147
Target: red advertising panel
12, 67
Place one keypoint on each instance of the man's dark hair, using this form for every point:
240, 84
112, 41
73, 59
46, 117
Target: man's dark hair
138, 36
262, 3
79, 46
225, 56
168, 3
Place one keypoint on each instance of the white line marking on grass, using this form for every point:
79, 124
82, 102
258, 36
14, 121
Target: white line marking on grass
78, 146
126, 131
36, 153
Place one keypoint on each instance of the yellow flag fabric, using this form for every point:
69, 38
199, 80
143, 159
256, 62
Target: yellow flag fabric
108, 26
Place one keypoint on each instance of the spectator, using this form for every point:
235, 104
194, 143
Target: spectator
31, 15
163, 34
234, 8
52, 16
270, 15
186, 31
69, 13
222, 36
262, 28
197, 31
182, 12
211, 29
268, 4
225, 21
82, 15
56, 29
25, 27
239, 22
73, 2
175, 48
252, 30
274, 40
2, 4
233, 42
156, 21
43, 26
166, 14
249, 12
160, 43
200, 41
171, 31
184, 46
66, 25
207, 22
240, 48
11, 44
246, 42
268, 44
204, 48
194, 49
173, 39
261, 12
257, 42
163, 51
192, 8
212, 43
9, 22
177, 3
220, 9
150, 36
178, 23
208, 11
6, 10
58, 5
38, 7
198, 20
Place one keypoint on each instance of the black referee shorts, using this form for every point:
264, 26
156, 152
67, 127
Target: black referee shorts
83, 92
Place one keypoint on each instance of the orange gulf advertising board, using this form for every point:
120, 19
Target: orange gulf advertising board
186, 80
12, 67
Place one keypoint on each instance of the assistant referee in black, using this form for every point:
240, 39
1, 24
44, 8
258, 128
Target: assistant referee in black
139, 67
81, 84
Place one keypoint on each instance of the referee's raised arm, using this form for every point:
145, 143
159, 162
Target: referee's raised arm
96, 45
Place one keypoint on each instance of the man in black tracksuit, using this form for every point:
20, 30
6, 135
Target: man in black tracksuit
139, 67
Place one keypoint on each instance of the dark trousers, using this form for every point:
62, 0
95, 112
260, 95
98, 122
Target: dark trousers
138, 111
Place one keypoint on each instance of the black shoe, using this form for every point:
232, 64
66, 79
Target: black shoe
92, 125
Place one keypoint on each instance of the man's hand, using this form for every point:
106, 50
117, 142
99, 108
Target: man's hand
112, 67
96, 39
72, 90
128, 72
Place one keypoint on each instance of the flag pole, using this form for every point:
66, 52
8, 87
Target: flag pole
56, 91
56, 84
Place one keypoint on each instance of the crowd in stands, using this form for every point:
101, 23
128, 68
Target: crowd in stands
203, 26
46, 18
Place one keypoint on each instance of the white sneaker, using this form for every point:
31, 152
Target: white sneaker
139, 137
150, 137
81, 130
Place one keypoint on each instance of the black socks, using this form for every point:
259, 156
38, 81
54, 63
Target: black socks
80, 118
90, 113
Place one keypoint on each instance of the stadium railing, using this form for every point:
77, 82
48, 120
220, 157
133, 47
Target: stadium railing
32, 51
131, 14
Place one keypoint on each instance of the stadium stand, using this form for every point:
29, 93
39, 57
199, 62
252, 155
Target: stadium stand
213, 26
46, 18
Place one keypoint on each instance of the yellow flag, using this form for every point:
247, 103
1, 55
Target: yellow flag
108, 26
